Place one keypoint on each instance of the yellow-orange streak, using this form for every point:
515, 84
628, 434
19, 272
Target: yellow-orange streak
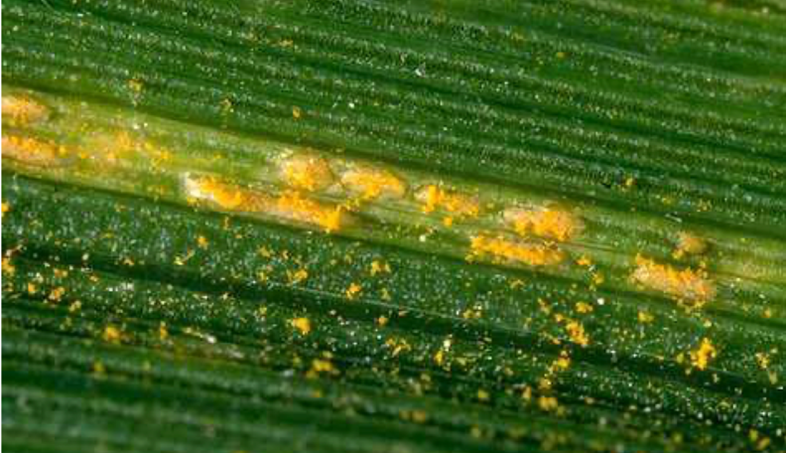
544, 222
687, 284
503, 249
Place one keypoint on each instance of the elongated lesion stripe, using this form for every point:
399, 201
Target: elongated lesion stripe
315, 189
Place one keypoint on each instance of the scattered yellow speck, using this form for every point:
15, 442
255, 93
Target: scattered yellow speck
447, 221
398, 345
378, 267
702, 356
382, 320
296, 113
202, 242
583, 307
31, 288
163, 333
112, 334
6, 207
483, 395
576, 333
99, 368
372, 183
548, 403
353, 290
136, 85
297, 276
303, 325
75, 306
645, 317
686, 284
763, 359
584, 261
8, 268
526, 393
306, 171
512, 251
321, 366
439, 357
544, 222
517, 283
56, 294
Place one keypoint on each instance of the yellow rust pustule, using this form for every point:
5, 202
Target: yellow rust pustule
21, 110
545, 222
294, 206
219, 193
436, 198
701, 356
687, 285
371, 183
500, 249
35, 152
305, 171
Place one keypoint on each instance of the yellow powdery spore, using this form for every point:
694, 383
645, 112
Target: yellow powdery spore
544, 222
303, 325
435, 198
576, 333
306, 172
209, 188
19, 110
500, 249
32, 151
687, 284
372, 183
701, 356
294, 206
353, 291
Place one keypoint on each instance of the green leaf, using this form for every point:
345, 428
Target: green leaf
394, 226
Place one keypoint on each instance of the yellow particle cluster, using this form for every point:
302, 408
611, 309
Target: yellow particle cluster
548, 403
372, 183
683, 284
434, 197
112, 334
512, 251
353, 291
306, 172
701, 356
294, 206
583, 308
32, 151
21, 110
645, 317
210, 188
548, 223
378, 267
303, 325
576, 333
